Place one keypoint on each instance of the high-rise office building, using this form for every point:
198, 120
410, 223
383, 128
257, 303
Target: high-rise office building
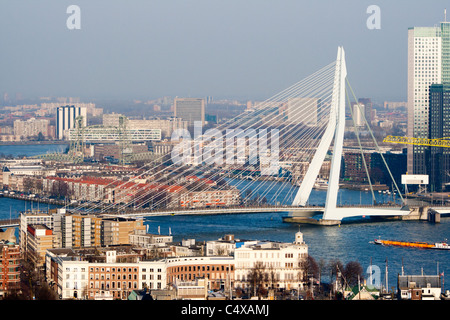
438, 167
66, 117
426, 66
368, 105
359, 114
189, 109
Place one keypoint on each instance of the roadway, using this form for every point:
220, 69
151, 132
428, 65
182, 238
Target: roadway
303, 212
308, 211
9, 223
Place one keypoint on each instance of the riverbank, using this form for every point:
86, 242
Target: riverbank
363, 187
26, 143
19, 196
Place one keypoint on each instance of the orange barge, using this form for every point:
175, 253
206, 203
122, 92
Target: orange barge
424, 245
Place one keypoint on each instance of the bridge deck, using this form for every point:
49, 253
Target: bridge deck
8, 223
307, 211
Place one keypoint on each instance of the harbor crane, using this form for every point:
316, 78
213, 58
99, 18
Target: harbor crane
442, 142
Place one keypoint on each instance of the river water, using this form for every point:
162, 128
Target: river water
31, 149
351, 241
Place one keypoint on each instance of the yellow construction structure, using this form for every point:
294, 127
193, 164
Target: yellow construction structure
418, 141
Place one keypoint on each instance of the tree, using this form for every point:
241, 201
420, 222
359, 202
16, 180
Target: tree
40, 137
335, 267
353, 272
321, 266
377, 174
307, 268
29, 276
28, 184
221, 251
272, 277
44, 292
38, 185
257, 276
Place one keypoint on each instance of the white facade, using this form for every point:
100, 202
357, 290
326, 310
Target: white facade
31, 127
424, 69
150, 240
152, 274
283, 262
66, 119
358, 114
74, 276
220, 248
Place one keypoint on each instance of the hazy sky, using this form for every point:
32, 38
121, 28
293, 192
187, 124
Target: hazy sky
245, 49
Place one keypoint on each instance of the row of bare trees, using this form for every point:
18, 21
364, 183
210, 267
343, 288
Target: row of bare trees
310, 272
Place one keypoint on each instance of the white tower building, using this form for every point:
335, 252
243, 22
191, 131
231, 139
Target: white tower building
66, 119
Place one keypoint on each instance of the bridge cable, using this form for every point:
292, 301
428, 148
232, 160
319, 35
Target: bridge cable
378, 148
360, 147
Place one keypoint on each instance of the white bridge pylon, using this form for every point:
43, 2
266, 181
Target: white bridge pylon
335, 129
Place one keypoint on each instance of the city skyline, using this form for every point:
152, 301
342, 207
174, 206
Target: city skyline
248, 51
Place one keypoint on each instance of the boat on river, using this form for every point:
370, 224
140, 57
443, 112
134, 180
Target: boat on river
423, 245
321, 185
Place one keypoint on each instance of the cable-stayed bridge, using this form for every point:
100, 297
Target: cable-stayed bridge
283, 140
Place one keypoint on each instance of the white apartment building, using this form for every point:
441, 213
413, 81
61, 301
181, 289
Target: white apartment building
32, 218
221, 247
66, 117
69, 276
31, 127
283, 262
164, 126
358, 114
152, 274
424, 68
148, 240
73, 277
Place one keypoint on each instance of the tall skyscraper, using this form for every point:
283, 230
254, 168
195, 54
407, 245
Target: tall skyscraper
190, 109
66, 119
438, 167
427, 65
367, 102
359, 114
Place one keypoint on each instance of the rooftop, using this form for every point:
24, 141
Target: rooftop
419, 281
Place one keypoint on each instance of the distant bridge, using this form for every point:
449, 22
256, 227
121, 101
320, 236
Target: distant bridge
9, 223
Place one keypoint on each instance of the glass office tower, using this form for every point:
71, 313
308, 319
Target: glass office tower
438, 164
